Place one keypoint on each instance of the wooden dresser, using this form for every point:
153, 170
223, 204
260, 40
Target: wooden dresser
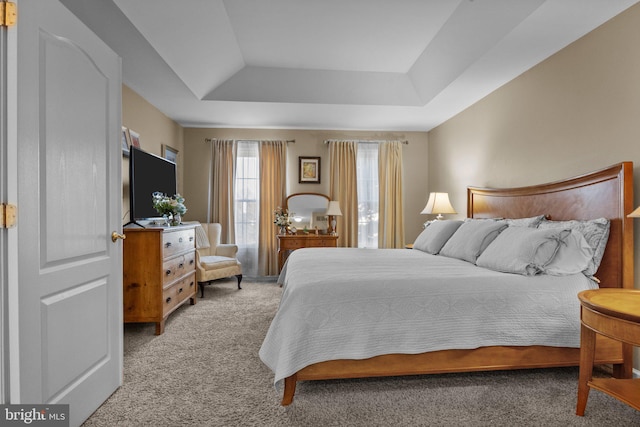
159, 272
291, 242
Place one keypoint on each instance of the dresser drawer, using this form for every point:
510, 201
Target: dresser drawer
176, 267
178, 292
174, 242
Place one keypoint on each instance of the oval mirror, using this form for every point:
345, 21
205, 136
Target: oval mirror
309, 210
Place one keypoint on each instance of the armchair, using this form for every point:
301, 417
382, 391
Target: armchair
214, 260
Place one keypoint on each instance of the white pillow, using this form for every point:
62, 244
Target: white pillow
595, 232
471, 239
522, 250
435, 236
574, 256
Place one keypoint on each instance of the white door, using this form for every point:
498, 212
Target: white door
65, 318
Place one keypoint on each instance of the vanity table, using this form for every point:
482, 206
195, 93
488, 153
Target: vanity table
291, 242
308, 211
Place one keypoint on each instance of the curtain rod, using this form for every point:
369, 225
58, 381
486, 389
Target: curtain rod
292, 141
377, 141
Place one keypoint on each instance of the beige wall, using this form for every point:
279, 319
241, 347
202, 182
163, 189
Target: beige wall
307, 143
578, 111
155, 129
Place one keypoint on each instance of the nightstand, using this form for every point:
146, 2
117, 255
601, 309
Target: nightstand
614, 313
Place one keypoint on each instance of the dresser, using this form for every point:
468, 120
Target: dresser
291, 242
159, 270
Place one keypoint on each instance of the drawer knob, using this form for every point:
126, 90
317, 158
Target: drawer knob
168, 300
181, 265
191, 284
191, 262
180, 290
168, 244
191, 239
168, 272
180, 240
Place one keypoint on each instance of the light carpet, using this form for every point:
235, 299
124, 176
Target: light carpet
205, 371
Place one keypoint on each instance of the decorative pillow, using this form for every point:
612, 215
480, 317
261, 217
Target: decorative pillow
522, 250
471, 238
574, 255
532, 222
435, 236
595, 232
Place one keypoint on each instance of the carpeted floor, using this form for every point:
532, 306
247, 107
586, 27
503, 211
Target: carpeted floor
205, 371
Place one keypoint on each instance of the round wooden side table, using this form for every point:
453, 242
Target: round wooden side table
614, 313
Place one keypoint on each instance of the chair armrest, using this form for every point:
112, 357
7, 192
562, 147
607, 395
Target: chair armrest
227, 249
199, 270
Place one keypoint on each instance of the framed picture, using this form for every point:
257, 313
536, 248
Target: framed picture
309, 170
170, 153
124, 136
135, 138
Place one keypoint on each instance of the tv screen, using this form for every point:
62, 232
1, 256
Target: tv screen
148, 173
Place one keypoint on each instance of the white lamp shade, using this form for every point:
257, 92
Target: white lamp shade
635, 214
334, 208
438, 203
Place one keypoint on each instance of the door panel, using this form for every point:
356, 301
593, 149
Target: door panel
74, 166
69, 287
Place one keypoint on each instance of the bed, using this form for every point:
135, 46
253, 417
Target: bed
392, 300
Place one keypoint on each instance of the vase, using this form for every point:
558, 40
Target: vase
283, 230
176, 219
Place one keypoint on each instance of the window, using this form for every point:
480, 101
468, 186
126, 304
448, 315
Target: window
246, 199
367, 179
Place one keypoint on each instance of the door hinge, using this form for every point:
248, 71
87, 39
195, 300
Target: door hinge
8, 14
8, 215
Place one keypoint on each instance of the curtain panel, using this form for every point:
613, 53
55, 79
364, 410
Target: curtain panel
343, 188
221, 193
273, 172
391, 199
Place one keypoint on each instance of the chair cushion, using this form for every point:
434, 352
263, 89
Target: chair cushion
212, 262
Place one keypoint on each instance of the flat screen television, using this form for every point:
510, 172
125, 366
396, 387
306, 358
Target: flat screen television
148, 173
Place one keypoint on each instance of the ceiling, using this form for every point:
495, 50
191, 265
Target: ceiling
396, 65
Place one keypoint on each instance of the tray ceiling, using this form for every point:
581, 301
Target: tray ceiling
331, 64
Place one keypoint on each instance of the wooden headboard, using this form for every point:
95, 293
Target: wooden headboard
606, 193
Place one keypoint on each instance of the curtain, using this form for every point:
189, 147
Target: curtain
343, 188
221, 201
391, 201
273, 172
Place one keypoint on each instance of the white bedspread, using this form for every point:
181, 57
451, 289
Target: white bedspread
341, 303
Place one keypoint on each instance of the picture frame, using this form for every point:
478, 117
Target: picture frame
308, 170
169, 153
124, 137
134, 138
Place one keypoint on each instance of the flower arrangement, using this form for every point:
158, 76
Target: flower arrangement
172, 207
281, 217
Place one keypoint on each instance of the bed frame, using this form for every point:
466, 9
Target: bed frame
605, 193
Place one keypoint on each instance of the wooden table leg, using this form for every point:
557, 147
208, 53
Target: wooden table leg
587, 356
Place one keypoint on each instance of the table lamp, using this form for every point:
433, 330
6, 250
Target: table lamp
635, 214
333, 210
438, 203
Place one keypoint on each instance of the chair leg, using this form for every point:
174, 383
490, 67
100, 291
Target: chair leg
201, 284
239, 276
